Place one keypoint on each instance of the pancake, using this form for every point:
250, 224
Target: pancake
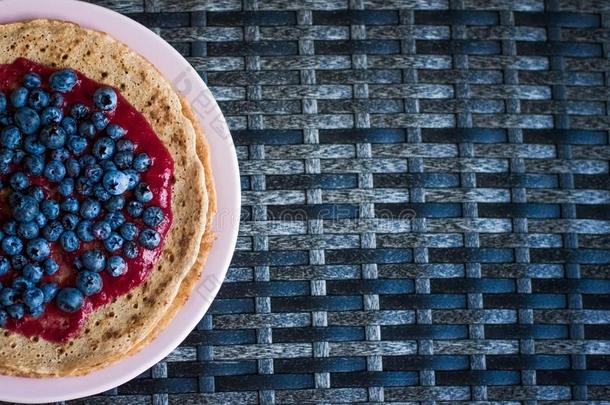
132, 320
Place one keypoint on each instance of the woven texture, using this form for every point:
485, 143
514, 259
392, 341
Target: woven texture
426, 201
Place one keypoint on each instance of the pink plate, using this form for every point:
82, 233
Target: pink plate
226, 176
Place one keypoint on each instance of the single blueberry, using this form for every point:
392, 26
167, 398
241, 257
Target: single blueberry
57, 100
103, 148
55, 171
129, 231
70, 300
34, 164
12, 245
116, 266
94, 260
79, 111
87, 160
66, 186
142, 162
4, 265
135, 208
16, 311
27, 120
10, 137
61, 154
72, 167
39, 99
90, 208
143, 193
19, 97
32, 145
115, 219
40, 220
123, 160
70, 204
86, 129
89, 283
49, 290
53, 231
69, 241
38, 249
36, 312
115, 182
100, 193
115, 131
115, 203
26, 209
3, 102
32, 272
149, 238
32, 80
84, 186
21, 284
51, 115
19, 181
50, 208
63, 80
77, 144
105, 98
93, 172
10, 227
53, 137
134, 178
7, 296
125, 145
33, 297
28, 230
6, 156
101, 230
114, 242
99, 120
69, 221
152, 216
36, 192
50, 266
18, 262
69, 124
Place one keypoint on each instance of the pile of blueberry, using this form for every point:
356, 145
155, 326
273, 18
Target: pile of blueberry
89, 194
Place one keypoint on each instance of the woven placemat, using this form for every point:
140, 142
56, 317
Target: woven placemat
425, 201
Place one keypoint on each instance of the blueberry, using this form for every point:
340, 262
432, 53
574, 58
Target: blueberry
10, 137
57, 100
53, 137
115, 131
28, 121
125, 145
69, 125
69, 241
66, 186
18, 262
116, 266
49, 291
89, 283
50, 208
79, 111
77, 144
19, 181
40, 220
87, 160
10, 227
149, 238
28, 230
69, 221
34, 164
26, 209
142, 162
36, 312
129, 231
105, 98
33, 297
153, 216
101, 230
51, 115
12, 245
3, 318
4, 265
135, 208
50, 266
103, 148
100, 193
143, 193
108, 165
72, 167
38, 249
61, 154
16, 311
115, 182
84, 186
134, 178
32, 145
84, 230
123, 159
21, 284
7, 296
114, 242
94, 260
99, 120
6, 119
3, 102
39, 99
19, 97
32, 80
115, 203
90, 208
93, 172
37, 193
6, 156
115, 219
63, 80
55, 171
53, 231
70, 300
70, 204
32, 272
86, 129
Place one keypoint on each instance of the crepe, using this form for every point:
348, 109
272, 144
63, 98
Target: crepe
130, 321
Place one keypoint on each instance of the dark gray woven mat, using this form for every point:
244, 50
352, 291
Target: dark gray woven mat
425, 201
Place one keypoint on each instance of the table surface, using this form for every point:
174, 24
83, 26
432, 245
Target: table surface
426, 202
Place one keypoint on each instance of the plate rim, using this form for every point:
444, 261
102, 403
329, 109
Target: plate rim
226, 223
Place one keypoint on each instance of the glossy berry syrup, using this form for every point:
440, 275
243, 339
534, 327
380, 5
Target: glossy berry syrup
54, 324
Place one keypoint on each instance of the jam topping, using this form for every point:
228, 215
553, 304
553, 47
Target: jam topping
85, 198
